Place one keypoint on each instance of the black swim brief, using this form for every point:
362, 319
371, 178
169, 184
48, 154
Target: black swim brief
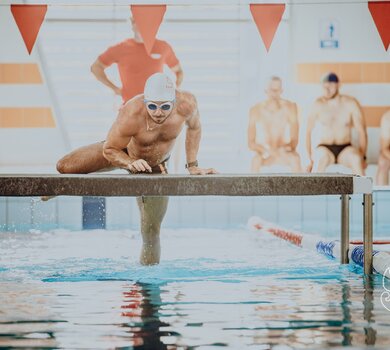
161, 168
335, 149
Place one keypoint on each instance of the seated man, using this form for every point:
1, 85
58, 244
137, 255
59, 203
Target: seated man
271, 119
382, 176
140, 141
336, 115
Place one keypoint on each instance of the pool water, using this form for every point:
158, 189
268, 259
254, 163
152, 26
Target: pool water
214, 289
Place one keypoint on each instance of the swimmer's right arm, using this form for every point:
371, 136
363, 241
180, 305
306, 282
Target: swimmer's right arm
252, 145
310, 125
294, 126
118, 138
385, 135
97, 70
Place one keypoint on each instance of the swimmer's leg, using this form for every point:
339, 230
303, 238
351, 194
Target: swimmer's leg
322, 158
84, 160
290, 159
293, 160
351, 158
152, 210
382, 175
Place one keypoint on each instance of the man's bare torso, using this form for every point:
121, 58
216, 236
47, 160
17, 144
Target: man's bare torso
150, 141
334, 119
274, 118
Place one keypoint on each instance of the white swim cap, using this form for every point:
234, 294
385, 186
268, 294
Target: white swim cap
159, 87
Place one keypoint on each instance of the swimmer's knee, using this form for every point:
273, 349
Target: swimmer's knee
355, 158
62, 167
151, 228
65, 167
321, 154
383, 164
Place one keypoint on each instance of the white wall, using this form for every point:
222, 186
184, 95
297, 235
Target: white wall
32, 147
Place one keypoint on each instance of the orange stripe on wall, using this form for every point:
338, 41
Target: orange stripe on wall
352, 72
30, 117
374, 114
20, 73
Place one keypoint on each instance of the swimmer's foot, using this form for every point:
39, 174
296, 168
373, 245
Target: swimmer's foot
47, 198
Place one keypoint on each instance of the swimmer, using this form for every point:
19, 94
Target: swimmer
274, 117
140, 141
336, 115
382, 176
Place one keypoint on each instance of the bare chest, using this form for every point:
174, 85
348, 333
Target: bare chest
271, 117
151, 134
335, 115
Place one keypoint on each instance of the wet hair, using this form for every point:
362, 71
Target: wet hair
330, 78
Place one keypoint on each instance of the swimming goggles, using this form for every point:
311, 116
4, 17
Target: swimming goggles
166, 106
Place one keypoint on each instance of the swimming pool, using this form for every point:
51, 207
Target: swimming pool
214, 288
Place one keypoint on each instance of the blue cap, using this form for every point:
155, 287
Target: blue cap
330, 78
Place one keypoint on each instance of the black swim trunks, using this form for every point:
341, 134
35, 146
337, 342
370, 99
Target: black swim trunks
335, 149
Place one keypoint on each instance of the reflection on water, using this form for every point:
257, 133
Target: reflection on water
62, 290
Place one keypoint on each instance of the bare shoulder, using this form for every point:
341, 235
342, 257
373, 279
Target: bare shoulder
186, 103
255, 110
131, 111
289, 104
318, 104
386, 116
385, 121
350, 101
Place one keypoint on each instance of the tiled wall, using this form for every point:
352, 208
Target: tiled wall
20, 73
316, 214
30, 117
348, 72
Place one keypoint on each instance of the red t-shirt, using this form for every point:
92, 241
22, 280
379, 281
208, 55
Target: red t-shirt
135, 65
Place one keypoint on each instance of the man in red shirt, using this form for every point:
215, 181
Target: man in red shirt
135, 65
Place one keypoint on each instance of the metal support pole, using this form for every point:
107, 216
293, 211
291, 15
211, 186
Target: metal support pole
367, 232
344, 228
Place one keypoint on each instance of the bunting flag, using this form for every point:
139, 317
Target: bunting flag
148, 19
380, 12
29, 19
267, 18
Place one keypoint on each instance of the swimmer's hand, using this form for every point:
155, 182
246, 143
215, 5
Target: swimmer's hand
139, 166
288, 147
194, 170
309, 167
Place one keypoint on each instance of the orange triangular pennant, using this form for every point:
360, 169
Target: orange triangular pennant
148, 19
267, 18
29, 19
380, 12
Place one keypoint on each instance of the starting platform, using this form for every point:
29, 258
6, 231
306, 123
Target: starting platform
106, 185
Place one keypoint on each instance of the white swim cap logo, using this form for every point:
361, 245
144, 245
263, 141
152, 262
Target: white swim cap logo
159, 87
385, 296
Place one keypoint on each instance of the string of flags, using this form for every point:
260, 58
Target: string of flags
148, 18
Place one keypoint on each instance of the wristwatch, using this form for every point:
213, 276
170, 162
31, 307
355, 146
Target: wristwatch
191, 164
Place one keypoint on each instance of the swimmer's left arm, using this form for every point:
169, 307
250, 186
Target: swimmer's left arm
294, 127
193, 136
385, 135
360, 125
118, 138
